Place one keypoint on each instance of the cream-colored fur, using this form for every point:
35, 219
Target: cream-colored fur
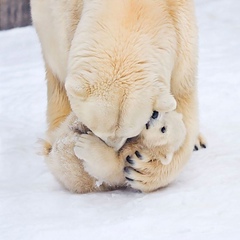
73, 172
114, 56
61, 159
99, 167
157, 146
165, 135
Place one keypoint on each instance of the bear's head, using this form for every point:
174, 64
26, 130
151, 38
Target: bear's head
116, 111
114, 81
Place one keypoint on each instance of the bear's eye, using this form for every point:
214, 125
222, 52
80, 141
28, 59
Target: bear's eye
154, 115
163, 129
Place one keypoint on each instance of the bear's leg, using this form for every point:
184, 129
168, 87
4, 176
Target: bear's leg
58, 106
100, 160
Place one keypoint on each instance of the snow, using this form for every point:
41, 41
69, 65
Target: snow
203, 202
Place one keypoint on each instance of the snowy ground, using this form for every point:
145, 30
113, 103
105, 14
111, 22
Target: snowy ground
204, 201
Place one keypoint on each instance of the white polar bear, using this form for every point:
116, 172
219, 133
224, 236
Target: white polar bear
106, 60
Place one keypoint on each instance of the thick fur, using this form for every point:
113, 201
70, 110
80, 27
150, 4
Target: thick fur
112, 58
61, 159
164, 135
66, 145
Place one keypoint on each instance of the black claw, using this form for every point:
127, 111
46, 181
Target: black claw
147, 126
129, 179
154, 115
129, 160
163, 129
203, 145
195, 148
138, 154
126, 169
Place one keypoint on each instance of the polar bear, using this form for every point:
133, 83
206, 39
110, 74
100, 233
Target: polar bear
106, 60
163, 135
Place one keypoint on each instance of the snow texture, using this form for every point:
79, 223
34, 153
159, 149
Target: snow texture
203, 202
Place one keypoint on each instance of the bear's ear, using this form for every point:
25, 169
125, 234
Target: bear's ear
77, 88
165, 102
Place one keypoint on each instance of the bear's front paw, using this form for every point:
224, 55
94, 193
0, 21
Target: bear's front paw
95, 155
141, 172
85, 146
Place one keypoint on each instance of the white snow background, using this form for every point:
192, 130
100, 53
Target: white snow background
203, 202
